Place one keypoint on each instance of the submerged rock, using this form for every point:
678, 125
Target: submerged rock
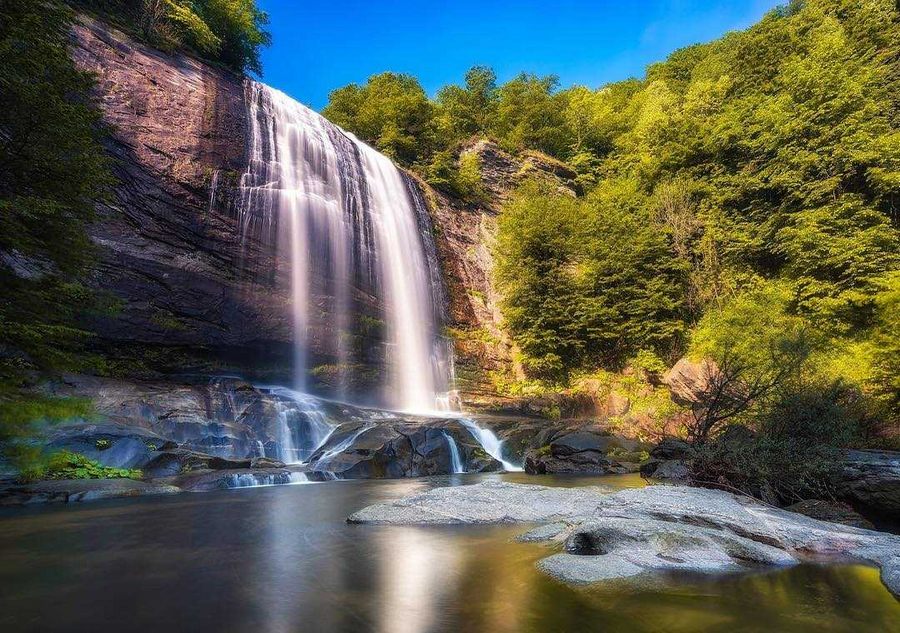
657, 528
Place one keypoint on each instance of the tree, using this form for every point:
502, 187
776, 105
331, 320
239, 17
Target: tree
229, 32
469, 110
530, 115
585, 282
391, 111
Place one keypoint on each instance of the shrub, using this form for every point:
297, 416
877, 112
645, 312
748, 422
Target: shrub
793, 449
69, 465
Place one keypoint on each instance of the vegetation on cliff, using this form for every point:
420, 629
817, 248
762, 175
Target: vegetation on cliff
52, 170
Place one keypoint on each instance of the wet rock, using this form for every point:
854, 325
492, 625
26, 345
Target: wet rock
870, 480
115, 445
205, 481
265, 462
656, 528
400, 448
670, 462
76, 490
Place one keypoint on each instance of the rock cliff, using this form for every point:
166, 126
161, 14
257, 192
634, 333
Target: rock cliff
170, 257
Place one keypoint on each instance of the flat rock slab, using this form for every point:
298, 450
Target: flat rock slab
658, 528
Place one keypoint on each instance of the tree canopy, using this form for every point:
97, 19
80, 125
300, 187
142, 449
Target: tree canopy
764, 163
229, 32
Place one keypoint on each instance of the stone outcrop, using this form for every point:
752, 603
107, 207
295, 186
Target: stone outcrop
636, 532
170, 428
401, 448
78, 490
171, 258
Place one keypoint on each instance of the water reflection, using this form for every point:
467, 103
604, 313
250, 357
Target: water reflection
282, 559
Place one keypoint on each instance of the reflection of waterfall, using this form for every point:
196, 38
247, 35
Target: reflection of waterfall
489, 442
455, 461
351, 225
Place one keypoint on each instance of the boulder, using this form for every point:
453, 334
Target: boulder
670, 462
584, 451
400, 448
688, 380
870, 480
645, 530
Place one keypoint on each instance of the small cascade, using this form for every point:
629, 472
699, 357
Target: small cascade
323, 461
258, 480
455, 461
492, 445
302, 426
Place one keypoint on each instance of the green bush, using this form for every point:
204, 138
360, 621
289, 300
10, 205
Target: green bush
68, 465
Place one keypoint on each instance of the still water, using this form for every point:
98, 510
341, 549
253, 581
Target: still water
281, 559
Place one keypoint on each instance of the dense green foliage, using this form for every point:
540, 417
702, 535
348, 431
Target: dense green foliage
52, 169
587, 282
747, 184
69, 465
230, 32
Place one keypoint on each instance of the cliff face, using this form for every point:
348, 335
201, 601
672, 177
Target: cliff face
465, 234
168, 255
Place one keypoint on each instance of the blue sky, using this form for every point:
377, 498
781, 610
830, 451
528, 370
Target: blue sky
322, 45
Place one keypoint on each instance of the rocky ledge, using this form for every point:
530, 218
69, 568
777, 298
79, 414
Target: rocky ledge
636, 532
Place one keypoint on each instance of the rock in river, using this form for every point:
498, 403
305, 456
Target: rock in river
636, 531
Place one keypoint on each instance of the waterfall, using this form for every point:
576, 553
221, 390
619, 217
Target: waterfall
489, 441
455, 461
354, 231
324, 460
302, 425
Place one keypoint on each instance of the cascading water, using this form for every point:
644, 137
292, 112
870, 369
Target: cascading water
350, 224
302, 425
492, 445
355, 236
455, 461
